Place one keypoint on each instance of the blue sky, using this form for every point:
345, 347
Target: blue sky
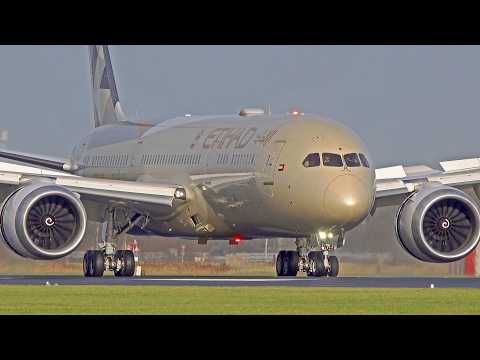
410, 104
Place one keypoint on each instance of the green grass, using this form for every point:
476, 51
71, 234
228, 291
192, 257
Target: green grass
19, 299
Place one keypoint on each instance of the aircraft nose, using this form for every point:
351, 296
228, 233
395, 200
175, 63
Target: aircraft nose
347, 200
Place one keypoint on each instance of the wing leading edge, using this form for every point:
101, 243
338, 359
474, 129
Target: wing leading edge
399, 180
99, 192
37, 160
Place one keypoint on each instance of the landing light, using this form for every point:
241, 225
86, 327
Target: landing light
330, 235
180, 194
322, 235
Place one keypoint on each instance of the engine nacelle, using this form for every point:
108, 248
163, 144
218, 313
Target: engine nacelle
438, 224
43, 221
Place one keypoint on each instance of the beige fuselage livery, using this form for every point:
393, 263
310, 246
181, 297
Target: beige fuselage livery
244, 174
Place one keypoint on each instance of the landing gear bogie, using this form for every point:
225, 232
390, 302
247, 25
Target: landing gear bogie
96, 262
108, 258
313, 263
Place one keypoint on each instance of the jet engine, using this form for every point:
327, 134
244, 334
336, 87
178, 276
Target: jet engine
43, 221
438, 224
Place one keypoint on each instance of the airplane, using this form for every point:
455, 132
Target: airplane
227, 177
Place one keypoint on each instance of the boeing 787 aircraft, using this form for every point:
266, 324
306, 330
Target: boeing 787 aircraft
227, 177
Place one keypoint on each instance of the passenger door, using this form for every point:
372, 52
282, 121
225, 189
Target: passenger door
271, 166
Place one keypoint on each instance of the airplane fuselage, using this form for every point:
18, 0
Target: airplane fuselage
247, 175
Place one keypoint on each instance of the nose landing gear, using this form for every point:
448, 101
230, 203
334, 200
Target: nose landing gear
313, 263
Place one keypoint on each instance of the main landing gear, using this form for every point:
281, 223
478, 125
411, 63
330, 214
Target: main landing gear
108, 258
96, 262
313, 263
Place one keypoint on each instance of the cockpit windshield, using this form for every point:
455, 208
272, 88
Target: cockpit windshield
312, 160
335, 160
351, 160
364, 160
332, 160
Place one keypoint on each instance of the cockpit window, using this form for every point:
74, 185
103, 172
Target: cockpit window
312, 160
332, 160
364, 160
351, 160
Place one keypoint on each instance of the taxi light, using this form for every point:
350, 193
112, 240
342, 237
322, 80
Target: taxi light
322, 235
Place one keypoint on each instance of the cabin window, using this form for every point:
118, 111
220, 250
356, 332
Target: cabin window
351, 160
364, 160
330, 159
312, 160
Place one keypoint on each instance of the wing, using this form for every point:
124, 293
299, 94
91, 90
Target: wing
396, 182
37, 160
96, 194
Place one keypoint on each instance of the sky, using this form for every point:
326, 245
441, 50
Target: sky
410, 104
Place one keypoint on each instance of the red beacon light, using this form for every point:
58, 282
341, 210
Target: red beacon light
236, 240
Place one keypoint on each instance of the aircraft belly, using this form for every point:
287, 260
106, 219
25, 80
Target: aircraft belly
219, 208
236, 204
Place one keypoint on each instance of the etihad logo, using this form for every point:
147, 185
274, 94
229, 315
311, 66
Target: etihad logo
234, 138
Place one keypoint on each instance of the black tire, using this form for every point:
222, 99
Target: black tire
280, 263
292, 263
334, 266
87, 264
310, 257
98, 263
317, 258
127, 257
129, 263
118, 256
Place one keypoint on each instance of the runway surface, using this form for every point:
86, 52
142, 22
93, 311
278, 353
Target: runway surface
345, 282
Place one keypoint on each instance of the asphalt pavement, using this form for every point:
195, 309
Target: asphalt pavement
342, 282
